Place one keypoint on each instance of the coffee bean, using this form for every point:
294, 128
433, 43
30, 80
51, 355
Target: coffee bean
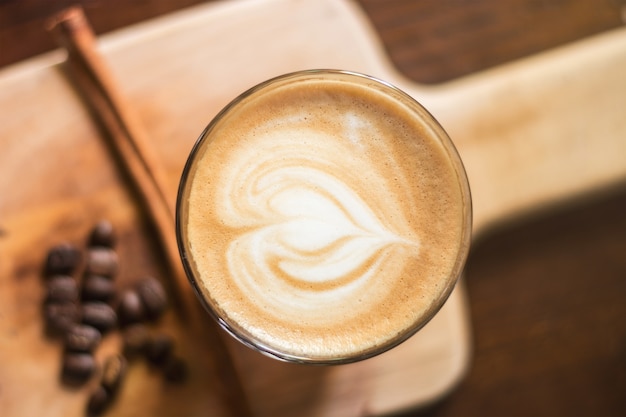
62, 288
160, 349
102, 261
113, 373
82, 338
60, 317
136, 340
62, 259
153, 296
103, 234
130, 308
175, 370
99, 315
99, 401
77, 368
97, 288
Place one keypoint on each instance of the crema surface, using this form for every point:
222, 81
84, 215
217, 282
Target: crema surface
324, 219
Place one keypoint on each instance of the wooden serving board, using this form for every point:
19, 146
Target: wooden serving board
533, 133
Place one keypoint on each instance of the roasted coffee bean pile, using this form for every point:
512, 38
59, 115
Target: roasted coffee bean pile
82, 312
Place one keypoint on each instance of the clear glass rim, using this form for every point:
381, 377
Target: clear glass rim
455, 273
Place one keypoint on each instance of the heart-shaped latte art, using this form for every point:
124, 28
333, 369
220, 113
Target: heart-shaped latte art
308, 237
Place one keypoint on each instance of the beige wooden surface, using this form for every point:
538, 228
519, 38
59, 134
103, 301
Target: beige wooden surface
58, 177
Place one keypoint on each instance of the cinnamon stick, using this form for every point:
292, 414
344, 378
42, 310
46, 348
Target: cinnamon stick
76, 36
130, 142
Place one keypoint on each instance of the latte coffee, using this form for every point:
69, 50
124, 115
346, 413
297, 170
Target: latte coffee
323, 217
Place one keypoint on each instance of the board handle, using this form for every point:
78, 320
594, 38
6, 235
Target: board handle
539, 131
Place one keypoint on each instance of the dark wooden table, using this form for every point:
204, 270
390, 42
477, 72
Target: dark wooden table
547, 293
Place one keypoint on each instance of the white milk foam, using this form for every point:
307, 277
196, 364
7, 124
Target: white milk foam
302, 220
311, 241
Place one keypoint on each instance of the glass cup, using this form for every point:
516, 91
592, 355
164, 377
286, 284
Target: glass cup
323, 217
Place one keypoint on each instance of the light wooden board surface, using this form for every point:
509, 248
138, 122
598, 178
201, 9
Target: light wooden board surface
532, 133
